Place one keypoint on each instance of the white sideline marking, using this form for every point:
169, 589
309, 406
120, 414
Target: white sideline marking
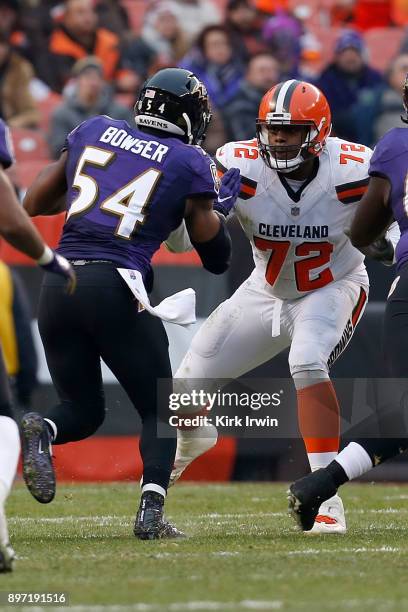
191, 606
239, 514
126, 519
71, 518
319, 551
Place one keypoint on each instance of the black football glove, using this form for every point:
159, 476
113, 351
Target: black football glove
381, 249
61, 266
229, 192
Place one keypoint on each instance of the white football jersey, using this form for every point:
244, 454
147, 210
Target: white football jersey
297, 237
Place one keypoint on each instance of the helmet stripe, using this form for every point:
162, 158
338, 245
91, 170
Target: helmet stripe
273, 102
288, 96
287, 86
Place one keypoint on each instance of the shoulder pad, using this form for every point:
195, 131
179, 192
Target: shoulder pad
244, 156
199, 149
350, 163
92, 122
391, 145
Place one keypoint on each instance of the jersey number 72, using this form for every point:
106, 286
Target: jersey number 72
279, 250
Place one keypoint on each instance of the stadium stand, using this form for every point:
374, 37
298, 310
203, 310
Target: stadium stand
47, 107
383, 44
29, 145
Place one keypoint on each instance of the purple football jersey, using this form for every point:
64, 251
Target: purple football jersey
6, 150
127, 191
390, 160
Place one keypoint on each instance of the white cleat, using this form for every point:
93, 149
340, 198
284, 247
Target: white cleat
331, 517
7, 554
191, 443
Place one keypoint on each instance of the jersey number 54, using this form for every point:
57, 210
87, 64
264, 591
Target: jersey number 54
129, 203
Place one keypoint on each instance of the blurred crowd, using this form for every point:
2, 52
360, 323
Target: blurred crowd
62, 62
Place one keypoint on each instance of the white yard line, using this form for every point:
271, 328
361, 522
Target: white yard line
192, 606
125, 519
383, 605
331, 551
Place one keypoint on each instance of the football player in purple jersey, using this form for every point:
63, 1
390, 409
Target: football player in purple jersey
386, 199
126, 190
17, 228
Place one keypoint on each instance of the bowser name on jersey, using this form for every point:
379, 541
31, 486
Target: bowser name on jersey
151, 149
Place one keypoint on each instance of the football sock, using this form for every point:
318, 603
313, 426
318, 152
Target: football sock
337, 473
154, 487
158, 449
319, 422
351, 462
9, 453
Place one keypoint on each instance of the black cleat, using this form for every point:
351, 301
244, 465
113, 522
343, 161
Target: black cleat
306, 495
38, 471
6, 558
150, 523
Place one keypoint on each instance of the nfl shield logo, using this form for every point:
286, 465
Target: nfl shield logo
295, 210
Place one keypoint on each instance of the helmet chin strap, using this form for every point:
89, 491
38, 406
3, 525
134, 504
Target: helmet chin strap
288, 170
281, 165
295, 162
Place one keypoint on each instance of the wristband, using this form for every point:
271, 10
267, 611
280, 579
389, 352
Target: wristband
46, 257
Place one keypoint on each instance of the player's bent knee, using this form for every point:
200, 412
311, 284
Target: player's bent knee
307, 358
92, 417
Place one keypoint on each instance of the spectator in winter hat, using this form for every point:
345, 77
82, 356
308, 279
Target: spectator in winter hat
351, 87
90, 95
282, 35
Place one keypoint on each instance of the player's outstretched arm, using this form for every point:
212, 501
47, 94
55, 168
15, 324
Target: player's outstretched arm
46, 196
208, 234
373, 215
15, 225
18, 230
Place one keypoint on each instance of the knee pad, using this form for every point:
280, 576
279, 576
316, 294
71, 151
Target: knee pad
304, 356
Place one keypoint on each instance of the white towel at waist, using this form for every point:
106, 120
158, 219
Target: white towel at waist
178, 308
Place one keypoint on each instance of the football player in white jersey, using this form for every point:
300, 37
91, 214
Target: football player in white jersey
299, 192
17, 229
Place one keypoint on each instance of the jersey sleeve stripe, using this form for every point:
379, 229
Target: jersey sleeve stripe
221, 169
352, 192
246, 190
352, 185
249, 183
351, 198
248, 186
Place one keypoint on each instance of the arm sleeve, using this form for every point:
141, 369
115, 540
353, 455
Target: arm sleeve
179, 240
6, 147
393, 235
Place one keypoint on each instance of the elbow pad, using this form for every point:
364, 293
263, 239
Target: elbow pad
215, 254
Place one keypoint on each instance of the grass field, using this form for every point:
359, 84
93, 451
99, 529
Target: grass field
243, 552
